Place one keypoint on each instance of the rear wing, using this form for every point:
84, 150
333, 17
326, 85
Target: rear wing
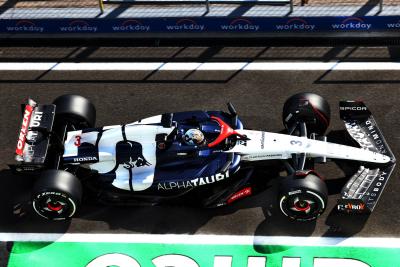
361, 193
34, 136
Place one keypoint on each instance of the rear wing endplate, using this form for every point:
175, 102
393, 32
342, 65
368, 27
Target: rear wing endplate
34, 136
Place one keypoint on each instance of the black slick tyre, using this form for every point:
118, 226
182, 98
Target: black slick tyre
318, 108
75, 109
56, 195
302, 198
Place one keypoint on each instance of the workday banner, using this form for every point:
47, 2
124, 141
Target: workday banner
203, 24
208, 251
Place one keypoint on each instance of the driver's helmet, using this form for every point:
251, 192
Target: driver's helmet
194, 137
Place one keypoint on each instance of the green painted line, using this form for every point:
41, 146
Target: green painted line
75, 254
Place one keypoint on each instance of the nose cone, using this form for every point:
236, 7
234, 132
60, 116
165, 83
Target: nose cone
380, 158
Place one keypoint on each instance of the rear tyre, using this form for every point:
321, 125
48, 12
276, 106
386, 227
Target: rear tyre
303, 198
56, 195
75, 109
320, 112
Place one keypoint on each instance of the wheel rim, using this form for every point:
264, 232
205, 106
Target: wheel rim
57, 206
302, 205
54, 205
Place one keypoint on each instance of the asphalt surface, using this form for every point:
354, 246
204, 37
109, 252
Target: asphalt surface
258, 96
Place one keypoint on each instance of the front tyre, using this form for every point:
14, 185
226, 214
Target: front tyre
317, 117
56, 195
303, 198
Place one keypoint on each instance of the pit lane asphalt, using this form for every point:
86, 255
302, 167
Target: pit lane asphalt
258, 96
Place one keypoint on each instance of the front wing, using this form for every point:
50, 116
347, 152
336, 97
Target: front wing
361, 193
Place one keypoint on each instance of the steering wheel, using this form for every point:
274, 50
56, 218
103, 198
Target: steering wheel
226, 131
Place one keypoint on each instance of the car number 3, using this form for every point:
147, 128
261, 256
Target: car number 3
294, 142
77, 141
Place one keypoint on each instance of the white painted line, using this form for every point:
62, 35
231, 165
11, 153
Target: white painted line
370, 65
187, 66
205, 239
201, 66
108, 66
228, 66
292, 66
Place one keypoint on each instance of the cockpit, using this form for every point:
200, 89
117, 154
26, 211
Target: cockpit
200, 131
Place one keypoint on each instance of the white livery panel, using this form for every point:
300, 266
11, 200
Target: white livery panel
128, 151
265, 145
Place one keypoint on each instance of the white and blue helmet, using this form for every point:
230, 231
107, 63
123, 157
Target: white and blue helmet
194, 137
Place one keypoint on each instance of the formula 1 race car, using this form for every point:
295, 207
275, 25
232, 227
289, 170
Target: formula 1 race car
204, 155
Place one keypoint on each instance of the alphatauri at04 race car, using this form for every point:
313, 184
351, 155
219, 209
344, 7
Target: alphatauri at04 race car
207, 156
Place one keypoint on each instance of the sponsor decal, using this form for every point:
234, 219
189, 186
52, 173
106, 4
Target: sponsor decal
352, 23
194, 182
196, 24
393, 25
201, 24
240, 24
240, 194
36, 119
294, 192
98, 254
296, 24
376, 137
262, 157
134, 151
351, 207
29, 150
84, 159
378, 186
25, 26
131, 25
24, 130
186, 25
353, 108
78, 26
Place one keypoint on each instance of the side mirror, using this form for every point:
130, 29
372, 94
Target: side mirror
233, 112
